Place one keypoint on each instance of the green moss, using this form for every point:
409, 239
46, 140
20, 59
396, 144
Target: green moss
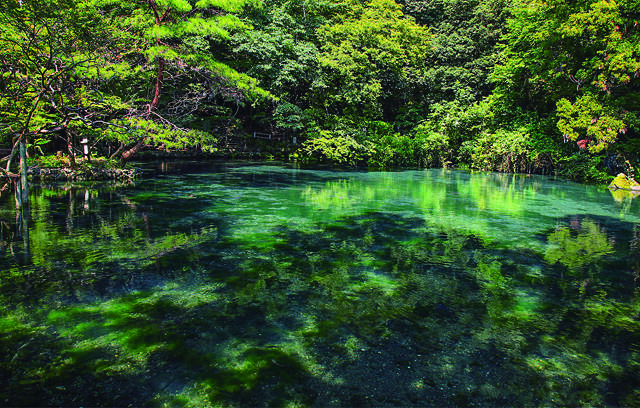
622, 182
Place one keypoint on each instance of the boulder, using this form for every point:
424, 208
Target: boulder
622, 182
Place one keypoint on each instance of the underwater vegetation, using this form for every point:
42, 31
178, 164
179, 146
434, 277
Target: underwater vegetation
270, 286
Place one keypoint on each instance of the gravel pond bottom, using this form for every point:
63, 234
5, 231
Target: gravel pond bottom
260, 284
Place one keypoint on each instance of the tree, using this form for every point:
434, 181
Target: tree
174, 45
577, 60
371, 62
46, 49
283, 50
83, 67
465, 33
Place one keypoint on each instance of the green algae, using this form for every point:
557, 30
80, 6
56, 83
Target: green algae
269, 290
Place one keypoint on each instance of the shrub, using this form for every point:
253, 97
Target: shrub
503, 150
50, 161
432, 148
582, 166
327, 146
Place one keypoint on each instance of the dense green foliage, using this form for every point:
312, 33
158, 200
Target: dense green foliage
505, 85
116, 72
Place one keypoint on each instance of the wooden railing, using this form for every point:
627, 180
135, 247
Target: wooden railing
269, 136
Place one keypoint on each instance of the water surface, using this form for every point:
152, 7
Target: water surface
265, 285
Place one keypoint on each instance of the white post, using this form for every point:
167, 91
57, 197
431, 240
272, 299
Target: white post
85, 147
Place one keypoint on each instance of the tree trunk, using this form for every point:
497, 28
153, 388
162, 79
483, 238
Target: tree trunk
13, 153
160, 77
18, 194
24, 188
158, 91
128, 154
117, 152
70, 142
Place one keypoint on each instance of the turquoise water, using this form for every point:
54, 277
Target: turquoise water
267, 285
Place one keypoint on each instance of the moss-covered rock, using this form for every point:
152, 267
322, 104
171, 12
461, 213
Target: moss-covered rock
82, 174
622, 182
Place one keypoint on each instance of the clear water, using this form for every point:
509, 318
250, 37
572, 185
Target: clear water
265, 285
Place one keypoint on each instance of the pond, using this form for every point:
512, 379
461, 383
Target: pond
262, 284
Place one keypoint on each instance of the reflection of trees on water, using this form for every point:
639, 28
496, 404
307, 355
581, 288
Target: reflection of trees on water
475, 203
14, 232
580, 245
153, 297
579, 340
374, 310
625, 198
73, 231
6, 237
634, 248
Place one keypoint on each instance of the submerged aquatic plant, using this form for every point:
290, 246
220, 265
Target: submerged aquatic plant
252, 286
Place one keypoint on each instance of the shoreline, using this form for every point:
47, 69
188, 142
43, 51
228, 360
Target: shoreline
35, 173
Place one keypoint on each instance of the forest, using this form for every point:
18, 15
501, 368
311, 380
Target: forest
345, 203
531, 86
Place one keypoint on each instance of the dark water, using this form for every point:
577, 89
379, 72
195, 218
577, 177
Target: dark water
264, 285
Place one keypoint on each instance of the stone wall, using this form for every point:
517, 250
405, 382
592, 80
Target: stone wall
84, 174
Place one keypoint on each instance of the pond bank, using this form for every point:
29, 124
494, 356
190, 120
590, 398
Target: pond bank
82, 174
